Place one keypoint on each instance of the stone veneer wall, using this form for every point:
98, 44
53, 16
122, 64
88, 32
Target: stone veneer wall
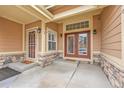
9, 58
114, 74
96, 58
48, 58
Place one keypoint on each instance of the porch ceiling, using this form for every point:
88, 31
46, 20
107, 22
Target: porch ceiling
29, 13
61, 8
15, 14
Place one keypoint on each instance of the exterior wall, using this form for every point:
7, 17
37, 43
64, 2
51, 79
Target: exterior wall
75, 19
10, 36
60, 37
111, 50
97, 36
11, 45
5, 59
114, 74
79, 18
33, 25
53, 26
111, 31
47, 57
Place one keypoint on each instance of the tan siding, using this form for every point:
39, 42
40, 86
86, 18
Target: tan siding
108, 13
111, 52
97, 36
114, 45
113, 25
111, 31
33, 24
53, 26
109, 34
60, 40
10, 36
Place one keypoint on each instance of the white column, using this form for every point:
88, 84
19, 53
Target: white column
91, 39
23, 37
43, 39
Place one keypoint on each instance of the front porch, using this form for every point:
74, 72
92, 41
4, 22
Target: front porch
89, 40
60, 74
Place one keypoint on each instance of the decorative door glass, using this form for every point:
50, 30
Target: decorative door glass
82, 44
70, 44
31, 43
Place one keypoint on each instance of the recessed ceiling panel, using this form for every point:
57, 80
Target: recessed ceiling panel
62, 8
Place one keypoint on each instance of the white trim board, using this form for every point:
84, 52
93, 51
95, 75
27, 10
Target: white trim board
60, 51
51, 30
11, 53
36, 39
23, 37
96, 52
33, 28
80, 59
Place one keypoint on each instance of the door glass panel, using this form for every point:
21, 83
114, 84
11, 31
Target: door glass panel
82, 44
31, 44
70, 44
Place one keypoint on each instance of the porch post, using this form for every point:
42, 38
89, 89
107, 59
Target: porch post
43, 44
23, 37
91, 39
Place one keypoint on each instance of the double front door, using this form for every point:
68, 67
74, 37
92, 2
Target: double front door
77, 44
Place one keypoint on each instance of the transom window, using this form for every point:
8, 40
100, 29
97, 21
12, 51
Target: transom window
83, 24
52, 38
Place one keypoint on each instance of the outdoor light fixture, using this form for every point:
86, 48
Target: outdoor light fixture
94, 31
39, 30
61, 35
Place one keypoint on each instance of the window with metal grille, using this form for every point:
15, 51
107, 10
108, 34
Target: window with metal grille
84, 24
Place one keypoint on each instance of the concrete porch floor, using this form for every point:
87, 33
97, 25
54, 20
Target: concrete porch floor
62, 74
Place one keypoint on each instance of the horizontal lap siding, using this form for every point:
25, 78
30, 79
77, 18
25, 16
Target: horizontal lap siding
97, 36
111, 31
33, 25
10, 36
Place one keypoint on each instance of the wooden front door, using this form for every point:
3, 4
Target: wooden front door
77, 44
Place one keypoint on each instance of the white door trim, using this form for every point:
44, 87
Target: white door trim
36, 45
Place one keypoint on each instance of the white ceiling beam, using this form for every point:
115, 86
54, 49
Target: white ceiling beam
21, 7
40, 11
13, 19
45, 10
50, 6
33, 13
